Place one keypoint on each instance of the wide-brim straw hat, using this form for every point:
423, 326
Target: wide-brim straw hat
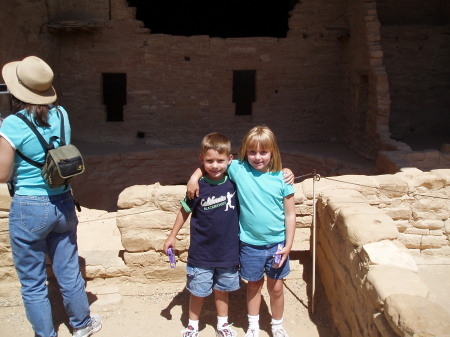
30, 80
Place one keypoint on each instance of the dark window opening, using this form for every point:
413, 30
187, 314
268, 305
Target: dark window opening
244, 91
114, 95
231, 18
407, 12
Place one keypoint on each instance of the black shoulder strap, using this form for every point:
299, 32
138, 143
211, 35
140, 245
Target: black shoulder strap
63, 134
45, 145
30, 161
41, 139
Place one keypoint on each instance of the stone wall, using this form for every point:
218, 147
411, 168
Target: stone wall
369, 229
414, 40
7, 271
394, 161
367, 93
424, 51
331, 79
365, 227
325, 81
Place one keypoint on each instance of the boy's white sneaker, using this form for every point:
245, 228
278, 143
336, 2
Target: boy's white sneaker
226, 331
189, 332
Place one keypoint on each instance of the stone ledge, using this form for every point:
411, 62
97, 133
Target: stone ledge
410, 315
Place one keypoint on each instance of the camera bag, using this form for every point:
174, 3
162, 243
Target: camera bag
62, 164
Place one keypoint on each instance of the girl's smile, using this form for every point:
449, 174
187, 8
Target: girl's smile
259, 159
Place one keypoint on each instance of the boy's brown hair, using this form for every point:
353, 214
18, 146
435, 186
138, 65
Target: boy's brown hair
215, 141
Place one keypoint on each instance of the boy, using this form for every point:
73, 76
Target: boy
213, 255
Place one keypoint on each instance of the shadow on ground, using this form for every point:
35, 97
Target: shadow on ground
238, 310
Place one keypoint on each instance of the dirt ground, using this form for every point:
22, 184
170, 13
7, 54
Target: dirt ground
130, 309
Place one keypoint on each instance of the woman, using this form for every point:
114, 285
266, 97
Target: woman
42, 220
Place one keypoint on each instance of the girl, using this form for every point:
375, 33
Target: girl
267, 219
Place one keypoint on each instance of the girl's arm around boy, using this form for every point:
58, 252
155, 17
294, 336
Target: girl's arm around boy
193, 187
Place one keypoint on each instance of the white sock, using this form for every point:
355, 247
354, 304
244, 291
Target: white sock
253, 322
221, 320
193, 324
276, 324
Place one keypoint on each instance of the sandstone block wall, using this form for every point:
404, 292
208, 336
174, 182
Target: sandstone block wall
7, 271
368, 228
325, 81
394, 161
414, 39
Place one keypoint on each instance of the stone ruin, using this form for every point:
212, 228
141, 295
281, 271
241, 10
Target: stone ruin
374, 237
371, 75
373, 232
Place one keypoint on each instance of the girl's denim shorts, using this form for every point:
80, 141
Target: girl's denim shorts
257, 260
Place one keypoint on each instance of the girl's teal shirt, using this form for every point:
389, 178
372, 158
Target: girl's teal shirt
261, 197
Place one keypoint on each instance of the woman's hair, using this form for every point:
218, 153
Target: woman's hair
215, 141
39, 112
265, 138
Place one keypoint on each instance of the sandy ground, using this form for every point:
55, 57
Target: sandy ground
130, 309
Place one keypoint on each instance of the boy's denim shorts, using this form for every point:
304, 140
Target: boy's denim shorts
257, 260
202, 280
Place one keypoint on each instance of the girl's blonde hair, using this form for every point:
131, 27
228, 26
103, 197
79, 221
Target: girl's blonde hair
215, 141
265, 138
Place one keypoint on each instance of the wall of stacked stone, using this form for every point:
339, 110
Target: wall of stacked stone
368, 228
7, 271
425, 160
176, 83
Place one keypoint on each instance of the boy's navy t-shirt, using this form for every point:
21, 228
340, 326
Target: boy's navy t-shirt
214, 224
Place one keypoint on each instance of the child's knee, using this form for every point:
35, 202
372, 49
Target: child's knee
275, 287
255, 286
